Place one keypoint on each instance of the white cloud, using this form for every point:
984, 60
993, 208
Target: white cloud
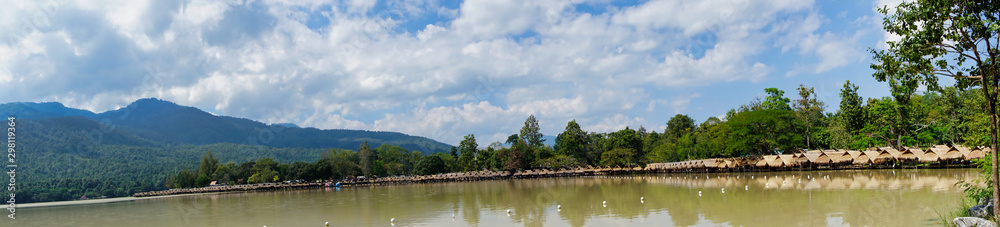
483, 69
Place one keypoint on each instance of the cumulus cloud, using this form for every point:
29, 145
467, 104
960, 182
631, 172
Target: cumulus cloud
423, 68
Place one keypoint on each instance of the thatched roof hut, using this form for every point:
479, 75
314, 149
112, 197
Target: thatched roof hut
928, 156
963, 150
978, 152
816, 158
878, 157
800, 158
952, 153
769, 159
710, 163
838, 157
787, 160
892, 152
860, 158
910, 154
761, 163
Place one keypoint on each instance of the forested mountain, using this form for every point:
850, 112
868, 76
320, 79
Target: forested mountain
172, 124
66, 153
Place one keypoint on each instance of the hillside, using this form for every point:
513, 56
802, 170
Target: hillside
66, 153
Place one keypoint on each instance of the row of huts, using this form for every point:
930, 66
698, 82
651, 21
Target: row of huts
877, 156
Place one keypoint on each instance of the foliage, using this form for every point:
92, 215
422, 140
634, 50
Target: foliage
467, 160
530, 133
775, 100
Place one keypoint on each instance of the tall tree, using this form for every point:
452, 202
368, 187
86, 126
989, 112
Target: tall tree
809, 110
469, 149
571, 141
366, 158
530, 133
953, 38
208, 164
852, 111
679, 125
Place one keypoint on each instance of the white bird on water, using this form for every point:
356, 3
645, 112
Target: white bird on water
327, 224
558, 206
392, 220
508, 212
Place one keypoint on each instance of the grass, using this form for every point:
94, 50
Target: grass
961, 211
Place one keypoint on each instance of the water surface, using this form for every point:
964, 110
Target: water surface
825, 198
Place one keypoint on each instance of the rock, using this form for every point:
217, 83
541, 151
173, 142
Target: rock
983, 210
973, 222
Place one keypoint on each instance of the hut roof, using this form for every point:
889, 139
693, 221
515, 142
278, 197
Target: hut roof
963, 150
950, 154
976, 153
861, 159
893, 152
877, 157
817, 157
787, 160
769, 158
761, 163
910, 154
839, 156
928, 156
710, 163
855, 154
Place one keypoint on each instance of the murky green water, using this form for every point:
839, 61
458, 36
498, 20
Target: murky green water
829, 198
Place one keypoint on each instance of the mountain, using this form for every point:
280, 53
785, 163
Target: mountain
30, 110
64, 153
168, 123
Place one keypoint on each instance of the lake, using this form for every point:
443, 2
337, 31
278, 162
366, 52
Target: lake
814, 198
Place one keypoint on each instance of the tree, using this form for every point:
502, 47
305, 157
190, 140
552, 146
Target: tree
809, 110
467, 160
571, 141
763, 132
953, 38
619, 157
852, 111
367, 159
512, 139
679, 125
202, 180
208, 164
429, 165
530, 133
775, 100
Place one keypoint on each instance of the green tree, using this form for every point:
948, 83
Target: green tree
431, 164
530, 133
367, 159
809, 110
953, 38
621, 156
469, 149
202, 180
208, 164
679, 125
852, 111
775, 100
571, 141
764, 132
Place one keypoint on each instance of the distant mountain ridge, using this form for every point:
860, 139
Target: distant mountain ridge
168, 123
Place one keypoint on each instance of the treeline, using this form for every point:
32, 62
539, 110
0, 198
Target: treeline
773, 124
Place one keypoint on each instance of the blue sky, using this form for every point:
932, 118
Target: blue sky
439, 69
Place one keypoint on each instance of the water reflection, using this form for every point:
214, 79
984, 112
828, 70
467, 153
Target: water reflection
836, 198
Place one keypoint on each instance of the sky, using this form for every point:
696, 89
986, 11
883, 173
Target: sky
438, 69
